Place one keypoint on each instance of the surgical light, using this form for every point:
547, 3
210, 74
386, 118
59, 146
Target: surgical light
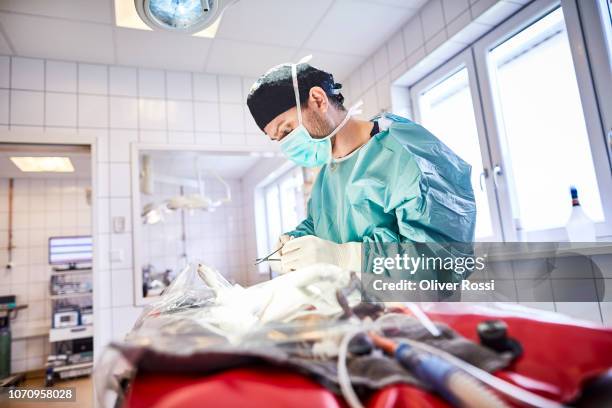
43, 164
198, 17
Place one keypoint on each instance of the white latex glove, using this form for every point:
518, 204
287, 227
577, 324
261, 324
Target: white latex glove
304, 251
275, 266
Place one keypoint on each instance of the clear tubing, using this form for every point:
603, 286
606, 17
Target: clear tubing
500, 385
344, 379
472, 393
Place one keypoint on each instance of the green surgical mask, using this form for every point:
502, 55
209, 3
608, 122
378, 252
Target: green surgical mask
299, 146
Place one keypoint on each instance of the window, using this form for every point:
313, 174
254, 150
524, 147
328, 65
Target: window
284, 204
544, 141
520, 107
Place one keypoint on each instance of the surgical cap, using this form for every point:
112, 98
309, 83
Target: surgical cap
272, 94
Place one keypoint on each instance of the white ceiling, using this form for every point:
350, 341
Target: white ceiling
253, 36
182, 164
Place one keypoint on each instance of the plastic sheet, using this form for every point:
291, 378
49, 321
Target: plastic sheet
202, 311
203, 324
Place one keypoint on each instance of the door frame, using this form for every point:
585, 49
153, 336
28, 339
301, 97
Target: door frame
30, 137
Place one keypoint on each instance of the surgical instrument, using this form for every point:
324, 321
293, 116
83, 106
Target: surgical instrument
267, 257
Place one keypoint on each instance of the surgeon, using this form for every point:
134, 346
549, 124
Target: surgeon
387, 180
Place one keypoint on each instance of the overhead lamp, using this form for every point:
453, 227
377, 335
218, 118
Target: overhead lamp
43, 164
200, 18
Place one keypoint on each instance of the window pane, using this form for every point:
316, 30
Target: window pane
292, 199
544, 138
447, 112
273, 215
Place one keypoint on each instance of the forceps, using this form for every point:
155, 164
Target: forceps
267, 257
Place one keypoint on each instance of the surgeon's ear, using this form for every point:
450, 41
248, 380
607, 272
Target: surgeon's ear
317, 99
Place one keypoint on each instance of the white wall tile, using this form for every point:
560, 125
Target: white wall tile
101, 136
208, 138
153, 136
370, 104
123, 243
181, 137
206, 116
367, 74
120, 144
4, 106
27, 108
383, 93
61, 109
261, 139
434, 42
231, 118
122, 287
180, 115
120, 180
354, 83
5, 71
121, 207
205, 87
93, 79
230, 89
250, 126
152, 113
247, 84
61, 76
103, 180
28, 73
103, 291
123, 112
104, 252
413, 35
178, 85
458, 24
151, 83
396, 50
453, 8
432, 18
93, 111
381, 63
123, 81
236, 139
103, 216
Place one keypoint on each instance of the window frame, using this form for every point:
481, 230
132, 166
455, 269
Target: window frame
276, 184
465, 59
522, 19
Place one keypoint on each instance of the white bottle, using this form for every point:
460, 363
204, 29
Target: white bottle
579, 227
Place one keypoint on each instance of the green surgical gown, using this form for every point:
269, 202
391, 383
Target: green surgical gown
404, 191
404, 185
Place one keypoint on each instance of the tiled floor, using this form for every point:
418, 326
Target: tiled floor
84, 394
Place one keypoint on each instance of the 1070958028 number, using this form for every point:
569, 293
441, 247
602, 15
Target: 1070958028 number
46, 394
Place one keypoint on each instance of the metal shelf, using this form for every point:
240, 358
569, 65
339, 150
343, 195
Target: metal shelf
76, 366
71, 295
70, 333
73, 272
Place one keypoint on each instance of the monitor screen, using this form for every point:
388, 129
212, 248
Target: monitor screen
70, 250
